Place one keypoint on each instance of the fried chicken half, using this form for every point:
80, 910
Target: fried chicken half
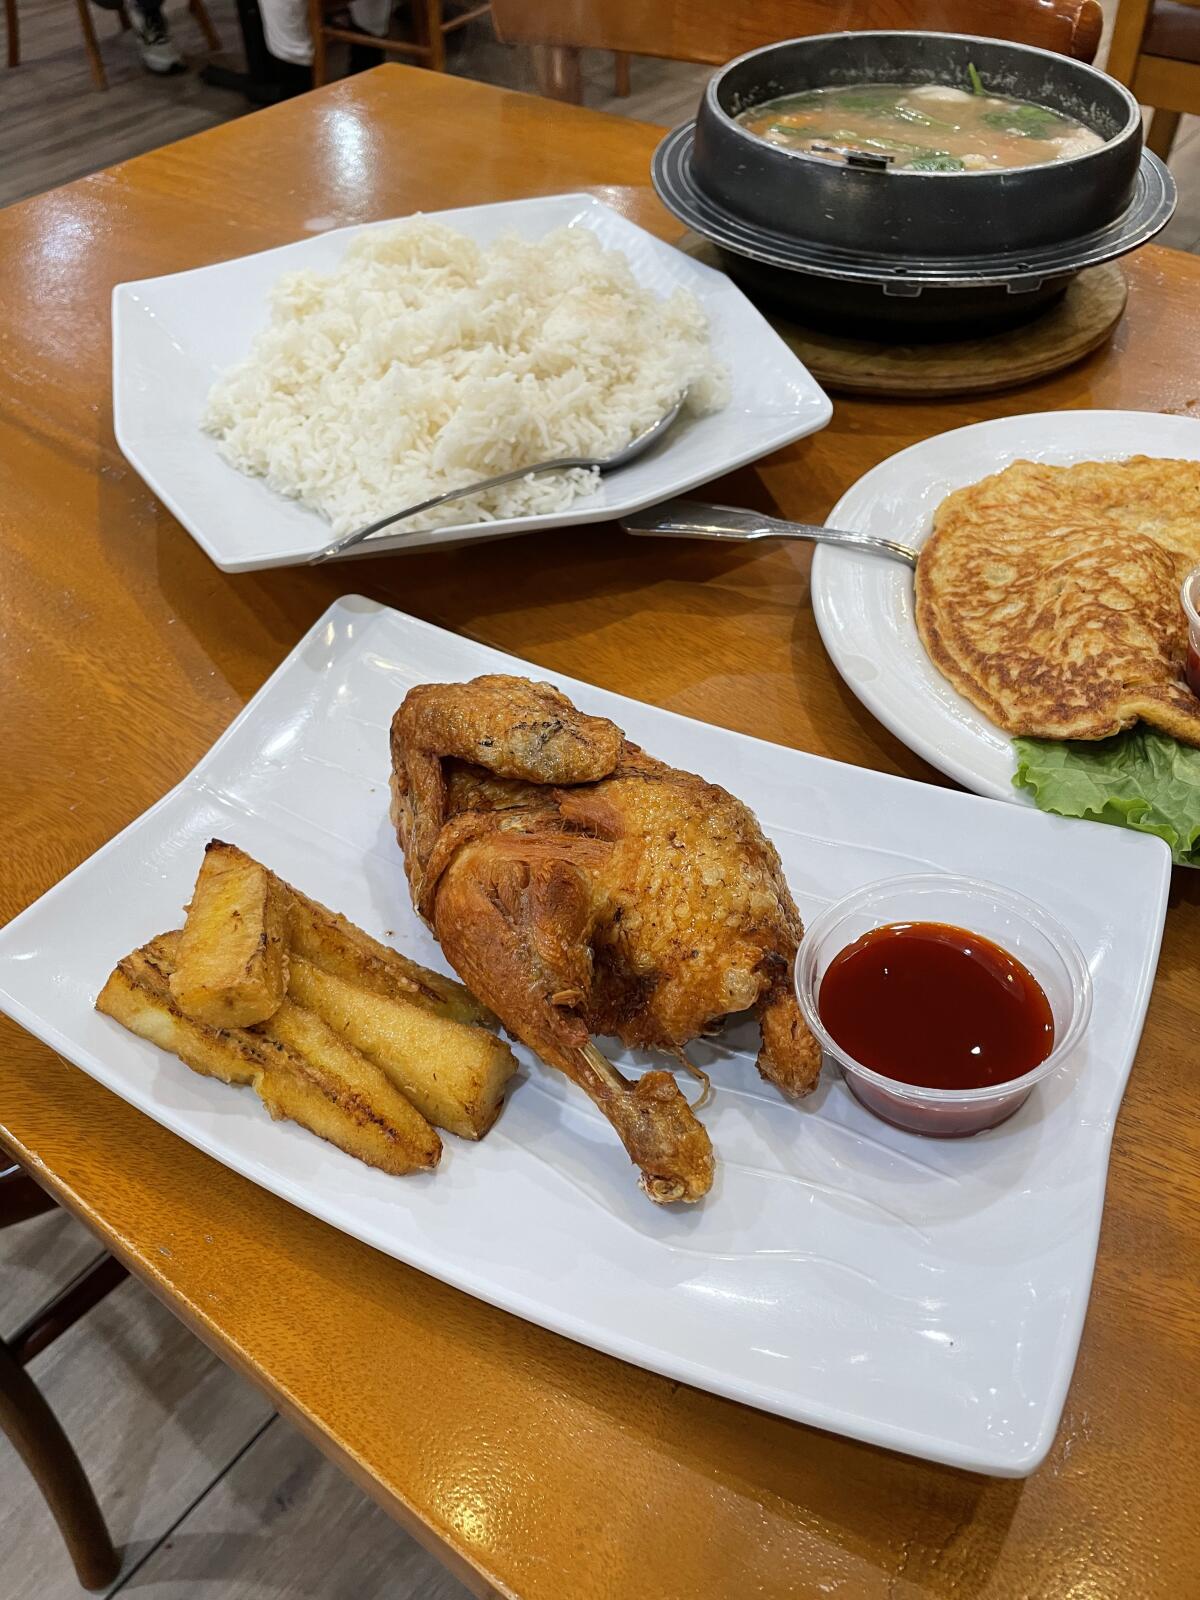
579, 887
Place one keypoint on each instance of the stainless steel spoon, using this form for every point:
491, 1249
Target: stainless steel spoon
692, 519
623, 458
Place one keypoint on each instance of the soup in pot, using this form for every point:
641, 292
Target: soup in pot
927, 127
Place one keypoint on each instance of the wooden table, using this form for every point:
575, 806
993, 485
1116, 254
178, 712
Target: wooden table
533, 1465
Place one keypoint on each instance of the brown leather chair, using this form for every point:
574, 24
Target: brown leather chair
28, 1421
713, 31
1155, 52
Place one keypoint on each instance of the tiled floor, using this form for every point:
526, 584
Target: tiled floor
55, 126
209, 1495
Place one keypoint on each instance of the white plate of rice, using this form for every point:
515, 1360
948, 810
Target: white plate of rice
277, 400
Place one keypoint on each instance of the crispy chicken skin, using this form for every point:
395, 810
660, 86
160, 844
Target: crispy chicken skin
579, 887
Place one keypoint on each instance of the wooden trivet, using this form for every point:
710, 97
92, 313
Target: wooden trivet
1078, 324
1072, 328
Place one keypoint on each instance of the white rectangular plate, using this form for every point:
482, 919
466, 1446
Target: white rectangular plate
173, 336
919, 1294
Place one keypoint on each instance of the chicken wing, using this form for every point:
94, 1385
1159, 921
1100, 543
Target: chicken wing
580, 887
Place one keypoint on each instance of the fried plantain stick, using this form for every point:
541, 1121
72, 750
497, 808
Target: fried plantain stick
453, 1073
298, 1066
333, 943
232, 963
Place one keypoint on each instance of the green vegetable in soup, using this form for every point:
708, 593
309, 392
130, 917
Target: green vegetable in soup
919, 119
934, 162
976, 80
807, 135
884, 100
872, 99
849, 138
877, 141
898, 120
1031, 122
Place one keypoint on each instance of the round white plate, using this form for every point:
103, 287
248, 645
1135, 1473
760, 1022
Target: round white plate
864, 604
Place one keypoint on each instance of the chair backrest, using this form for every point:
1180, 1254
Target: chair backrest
1131, 29
714, 31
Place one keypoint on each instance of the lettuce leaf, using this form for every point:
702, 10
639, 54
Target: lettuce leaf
1137, 779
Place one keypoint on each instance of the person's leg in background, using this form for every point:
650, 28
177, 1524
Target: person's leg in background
372, 16
285, 26
155, 44
154, 39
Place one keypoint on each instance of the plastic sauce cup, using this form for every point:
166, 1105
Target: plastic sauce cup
1189, 594
1025, 930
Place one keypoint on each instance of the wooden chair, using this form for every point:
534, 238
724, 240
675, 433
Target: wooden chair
91, 44
28, 1421
713, 31
1155, 52
430, 25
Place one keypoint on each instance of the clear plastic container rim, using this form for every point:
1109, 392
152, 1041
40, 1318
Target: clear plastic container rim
1048, 926
1189, 594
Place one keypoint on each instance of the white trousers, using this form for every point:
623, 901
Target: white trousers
285, 23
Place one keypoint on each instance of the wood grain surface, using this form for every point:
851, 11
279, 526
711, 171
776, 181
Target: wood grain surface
534, 1466
1072, 328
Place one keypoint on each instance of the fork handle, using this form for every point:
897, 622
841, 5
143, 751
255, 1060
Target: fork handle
349, 540
691, 519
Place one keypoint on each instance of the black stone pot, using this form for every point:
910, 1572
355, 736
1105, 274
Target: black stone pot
917, 254
920, 213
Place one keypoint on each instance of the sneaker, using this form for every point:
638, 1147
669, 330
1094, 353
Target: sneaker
155, 43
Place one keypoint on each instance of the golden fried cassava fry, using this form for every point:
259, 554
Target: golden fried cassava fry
339, 1094
232, 965
454, 1073
333, 943
298, 1065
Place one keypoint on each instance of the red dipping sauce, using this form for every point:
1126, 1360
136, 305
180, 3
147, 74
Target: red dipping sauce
929, 1004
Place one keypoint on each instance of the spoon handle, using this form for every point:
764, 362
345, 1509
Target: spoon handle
691, 519
623, 458
349, 540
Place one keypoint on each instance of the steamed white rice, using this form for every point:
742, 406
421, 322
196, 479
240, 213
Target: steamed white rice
426, 361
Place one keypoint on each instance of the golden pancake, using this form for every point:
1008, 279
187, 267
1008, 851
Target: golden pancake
1049, 596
